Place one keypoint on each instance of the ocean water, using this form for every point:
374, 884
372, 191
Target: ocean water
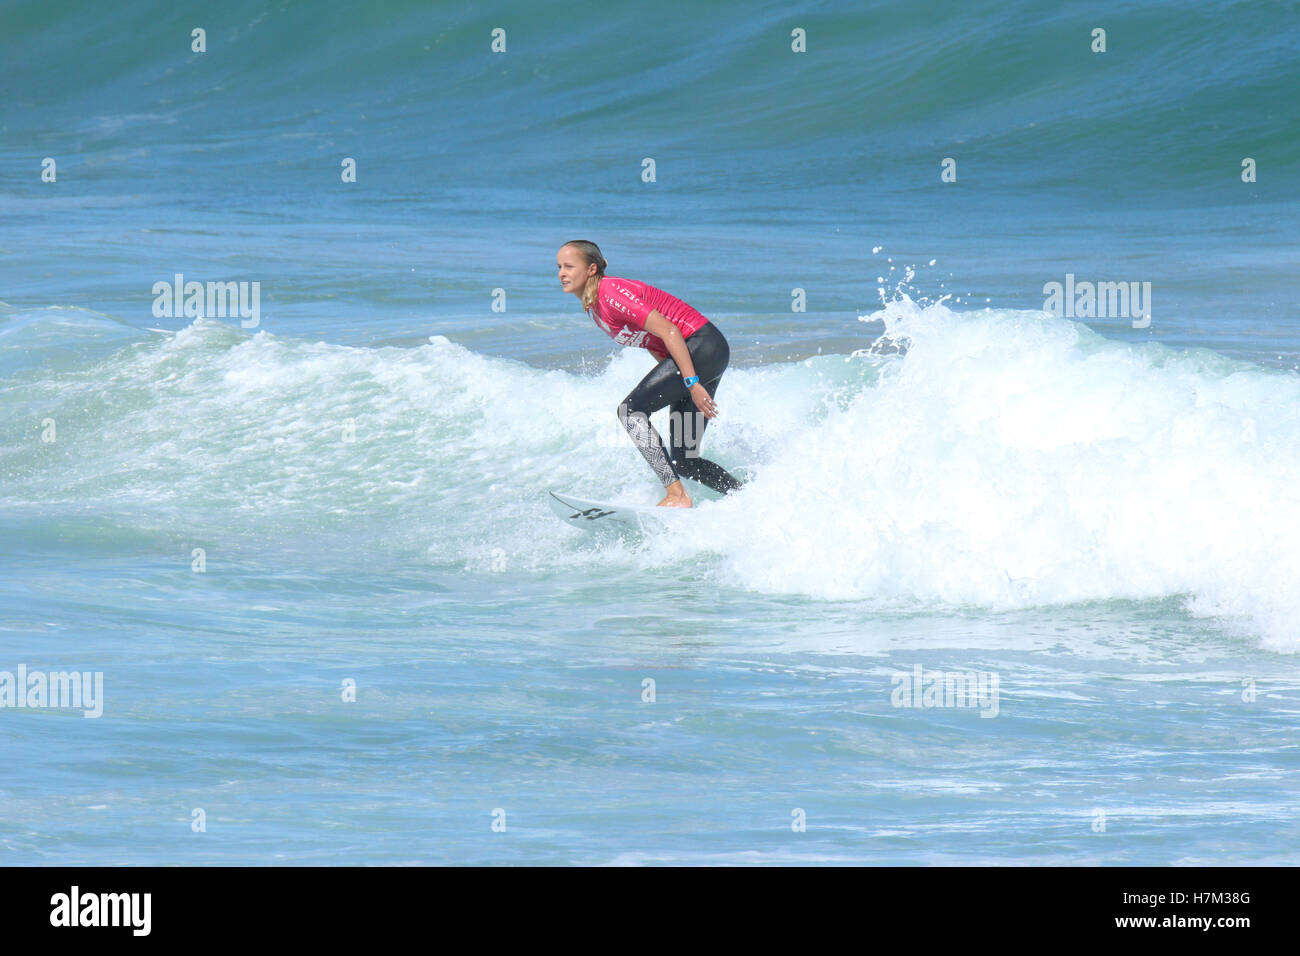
311, 558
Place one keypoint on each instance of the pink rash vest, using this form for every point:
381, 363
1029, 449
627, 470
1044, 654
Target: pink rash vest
623, 305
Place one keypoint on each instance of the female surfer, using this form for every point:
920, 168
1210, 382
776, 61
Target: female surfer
692, 356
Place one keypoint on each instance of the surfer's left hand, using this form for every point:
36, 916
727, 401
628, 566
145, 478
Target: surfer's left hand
703, 400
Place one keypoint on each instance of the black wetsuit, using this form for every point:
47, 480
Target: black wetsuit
663, 387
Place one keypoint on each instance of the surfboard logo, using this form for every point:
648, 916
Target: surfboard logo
590, 514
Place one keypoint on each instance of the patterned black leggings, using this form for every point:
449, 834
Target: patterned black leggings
663, 387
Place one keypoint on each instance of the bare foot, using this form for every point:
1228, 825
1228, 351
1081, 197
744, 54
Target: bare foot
677, 496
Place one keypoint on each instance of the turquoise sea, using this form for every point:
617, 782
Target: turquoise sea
310, 557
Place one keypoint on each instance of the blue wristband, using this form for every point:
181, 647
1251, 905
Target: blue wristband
688, 382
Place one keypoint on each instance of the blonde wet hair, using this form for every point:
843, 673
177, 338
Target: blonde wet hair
591, 252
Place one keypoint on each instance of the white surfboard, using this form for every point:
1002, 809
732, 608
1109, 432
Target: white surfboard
593, 515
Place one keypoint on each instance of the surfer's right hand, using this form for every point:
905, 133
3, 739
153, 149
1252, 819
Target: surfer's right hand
703, 400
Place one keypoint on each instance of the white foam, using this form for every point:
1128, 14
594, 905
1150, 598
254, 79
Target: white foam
1007, 460
1013, 459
